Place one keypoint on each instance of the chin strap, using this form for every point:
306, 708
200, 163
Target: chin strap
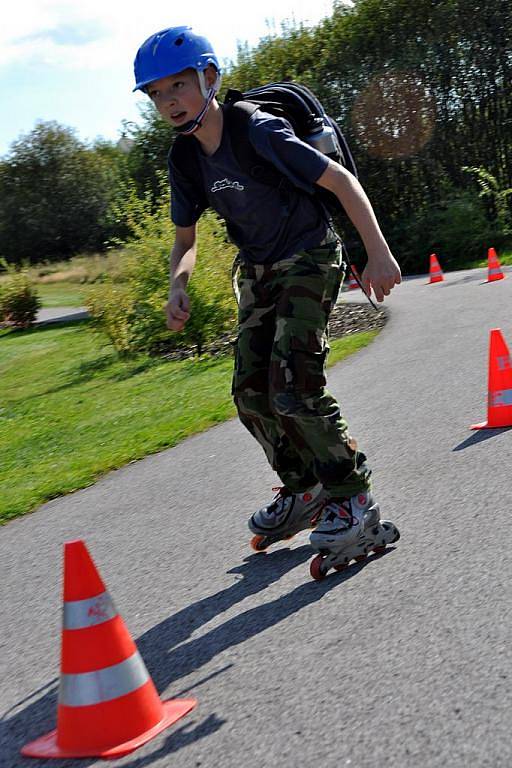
193, 125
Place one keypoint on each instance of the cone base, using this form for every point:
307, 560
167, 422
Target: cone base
493, 279
435, 280
47, 747
486, 425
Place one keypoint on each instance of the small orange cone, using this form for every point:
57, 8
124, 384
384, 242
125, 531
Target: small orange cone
499, 407
436, 273
108, 705
352, 282
494, 267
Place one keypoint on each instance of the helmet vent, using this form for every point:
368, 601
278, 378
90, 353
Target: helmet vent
178, 41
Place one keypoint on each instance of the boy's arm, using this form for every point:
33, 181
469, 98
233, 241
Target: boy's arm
182, 262
382, 271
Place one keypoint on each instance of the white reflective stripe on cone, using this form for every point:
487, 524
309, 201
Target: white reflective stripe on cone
85, 688
500, 397
495, 271
79, 614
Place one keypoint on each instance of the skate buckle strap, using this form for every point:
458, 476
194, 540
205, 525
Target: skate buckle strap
282, 491
334, 509
278, 501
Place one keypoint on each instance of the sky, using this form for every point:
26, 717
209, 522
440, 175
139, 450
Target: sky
72, 60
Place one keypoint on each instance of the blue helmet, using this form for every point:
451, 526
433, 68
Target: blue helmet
171, 51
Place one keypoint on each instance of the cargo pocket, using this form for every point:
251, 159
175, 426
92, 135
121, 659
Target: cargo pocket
306, 361
334, 281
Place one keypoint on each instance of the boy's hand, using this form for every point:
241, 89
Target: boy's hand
177, 310
382, 274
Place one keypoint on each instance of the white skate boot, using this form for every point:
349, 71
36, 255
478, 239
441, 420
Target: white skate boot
287, 514
349, 530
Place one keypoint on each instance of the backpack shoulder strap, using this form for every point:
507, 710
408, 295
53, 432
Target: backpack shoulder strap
237, 115
183, 157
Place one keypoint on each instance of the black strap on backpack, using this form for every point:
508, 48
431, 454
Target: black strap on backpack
237, 115
183, 157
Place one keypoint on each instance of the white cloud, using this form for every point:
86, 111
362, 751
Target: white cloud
34, 31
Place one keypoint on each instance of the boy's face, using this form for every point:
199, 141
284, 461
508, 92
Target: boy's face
178, 97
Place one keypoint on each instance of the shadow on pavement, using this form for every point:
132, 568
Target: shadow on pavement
168, 657
479, 436
187, 734
448, 282
168, 663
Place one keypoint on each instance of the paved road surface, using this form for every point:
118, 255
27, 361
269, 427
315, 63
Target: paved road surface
58, 314
402, 661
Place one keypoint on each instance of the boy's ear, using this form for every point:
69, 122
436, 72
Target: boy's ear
210, 75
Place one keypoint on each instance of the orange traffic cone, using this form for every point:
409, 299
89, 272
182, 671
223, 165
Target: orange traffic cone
494, 268
352, 282
436, 273
499, 407
108, 705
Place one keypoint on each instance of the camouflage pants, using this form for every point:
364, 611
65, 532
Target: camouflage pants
279, 378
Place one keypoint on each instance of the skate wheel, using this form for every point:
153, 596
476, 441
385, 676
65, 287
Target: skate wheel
259, 543
341, 567
360, 558
317, 568
379, 550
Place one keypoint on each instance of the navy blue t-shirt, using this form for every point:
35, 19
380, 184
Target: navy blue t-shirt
265, 225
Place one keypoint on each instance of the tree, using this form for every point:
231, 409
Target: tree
55, 195
150, 144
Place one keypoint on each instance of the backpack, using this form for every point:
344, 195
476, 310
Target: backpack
309, 121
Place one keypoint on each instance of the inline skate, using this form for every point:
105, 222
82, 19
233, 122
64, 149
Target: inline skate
348, 530
286, 515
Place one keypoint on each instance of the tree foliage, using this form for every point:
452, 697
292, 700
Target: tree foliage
56, 195
151, 140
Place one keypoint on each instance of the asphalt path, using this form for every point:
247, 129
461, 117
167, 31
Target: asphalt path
59, 314
404, 660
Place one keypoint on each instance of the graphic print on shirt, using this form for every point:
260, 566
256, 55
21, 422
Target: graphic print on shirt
227, 184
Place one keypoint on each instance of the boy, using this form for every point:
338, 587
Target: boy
290, 277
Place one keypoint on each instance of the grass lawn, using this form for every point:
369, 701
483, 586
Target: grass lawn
70, 409
61, 294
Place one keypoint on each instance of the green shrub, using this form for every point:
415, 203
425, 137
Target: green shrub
19, 301
457, 229
133, 315
498, 198
111, 307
